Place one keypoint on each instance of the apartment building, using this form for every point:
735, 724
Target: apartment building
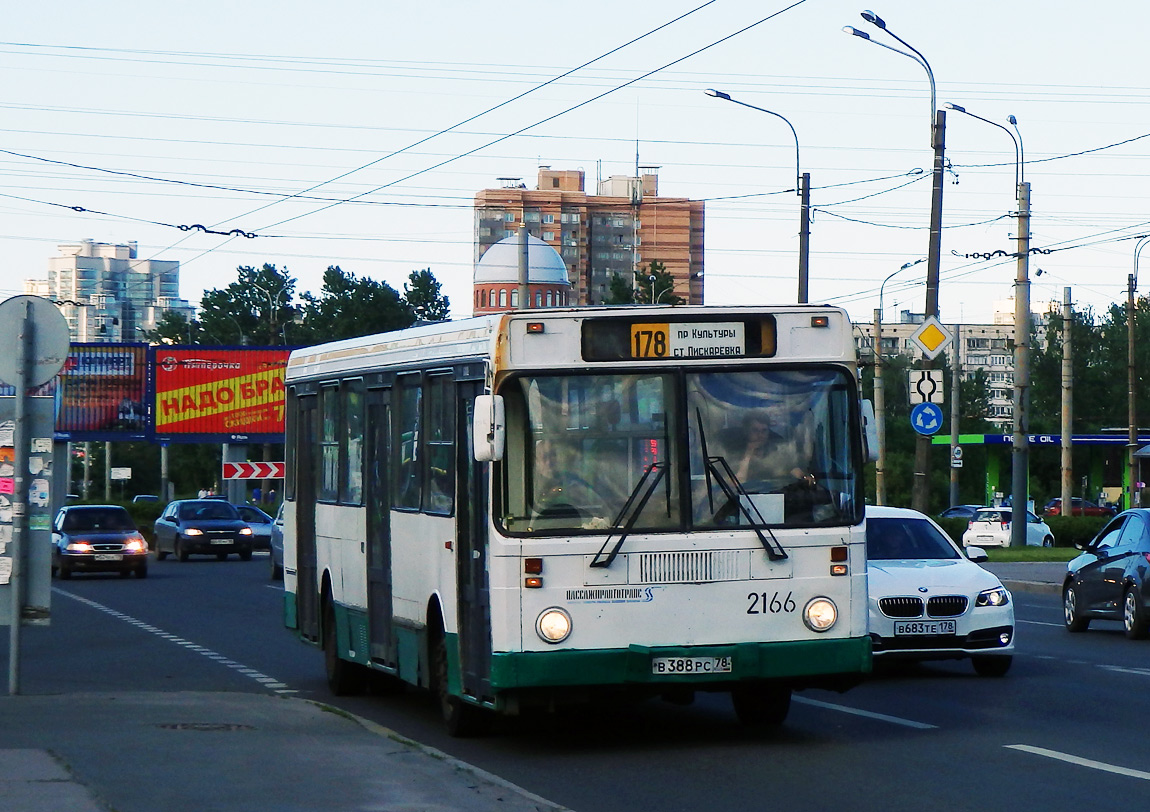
618, 231
107, 293
989, 347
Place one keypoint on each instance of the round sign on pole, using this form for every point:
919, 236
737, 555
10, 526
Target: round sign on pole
50, 345
926, 418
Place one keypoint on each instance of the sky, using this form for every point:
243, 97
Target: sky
301, 124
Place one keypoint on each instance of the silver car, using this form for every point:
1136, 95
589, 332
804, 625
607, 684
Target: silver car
261, 525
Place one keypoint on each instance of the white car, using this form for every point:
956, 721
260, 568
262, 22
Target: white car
929, 601
990, 527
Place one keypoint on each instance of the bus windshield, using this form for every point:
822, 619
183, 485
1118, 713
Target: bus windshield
758, 447
772, 447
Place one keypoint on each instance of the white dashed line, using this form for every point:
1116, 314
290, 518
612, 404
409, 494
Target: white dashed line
882, 717
262, 679
1081, 762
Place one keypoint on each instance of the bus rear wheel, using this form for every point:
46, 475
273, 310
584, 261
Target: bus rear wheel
461, 719
343, 678
761, 704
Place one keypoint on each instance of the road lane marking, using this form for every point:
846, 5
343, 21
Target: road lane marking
251, 673
1143, 672
1082, 762
882, 717
1039, 623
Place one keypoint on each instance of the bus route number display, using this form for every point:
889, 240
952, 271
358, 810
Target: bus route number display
700, 340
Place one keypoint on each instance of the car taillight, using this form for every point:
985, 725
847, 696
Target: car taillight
1005, 526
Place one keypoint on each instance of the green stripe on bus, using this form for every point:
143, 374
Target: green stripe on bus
633, 665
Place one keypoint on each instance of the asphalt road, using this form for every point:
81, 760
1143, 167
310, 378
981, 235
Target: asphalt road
1062, 730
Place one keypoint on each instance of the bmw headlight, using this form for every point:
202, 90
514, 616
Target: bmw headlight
820, 614
992, 597
553, 625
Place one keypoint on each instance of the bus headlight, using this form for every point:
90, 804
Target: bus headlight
553, 625
820, 614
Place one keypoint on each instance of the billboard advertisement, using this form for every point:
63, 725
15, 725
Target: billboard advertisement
101, 393
219, 394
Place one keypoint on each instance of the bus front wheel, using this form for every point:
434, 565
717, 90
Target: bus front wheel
761, 704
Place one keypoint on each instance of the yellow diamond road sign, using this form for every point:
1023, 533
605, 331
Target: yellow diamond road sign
931, 337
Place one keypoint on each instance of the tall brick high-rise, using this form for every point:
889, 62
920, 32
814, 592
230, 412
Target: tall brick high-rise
619, 231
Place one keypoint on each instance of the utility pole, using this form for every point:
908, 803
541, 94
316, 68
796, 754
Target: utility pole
1020, 453
920, 493
1132, 499
955, 385
879, 413
805, 238
1067, 406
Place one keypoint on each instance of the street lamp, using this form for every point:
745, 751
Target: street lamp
802, 188
921, 493
273, 305
1133, 497
880, 391
655, 299
1020, 450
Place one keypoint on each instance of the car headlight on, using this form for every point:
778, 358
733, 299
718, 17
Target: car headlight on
820, 614
992, 597
136, 544
553, 625
245, 531
193, 531
79, 547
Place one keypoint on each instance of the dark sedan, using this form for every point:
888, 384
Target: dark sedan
203, 526
97, 538
1078, 507
1108, 581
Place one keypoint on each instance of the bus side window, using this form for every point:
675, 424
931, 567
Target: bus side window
407, 488
440, 491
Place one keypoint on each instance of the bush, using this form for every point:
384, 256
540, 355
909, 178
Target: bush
1071, 530
954, 528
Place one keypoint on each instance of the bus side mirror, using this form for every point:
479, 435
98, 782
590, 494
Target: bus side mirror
870, 431
489, 428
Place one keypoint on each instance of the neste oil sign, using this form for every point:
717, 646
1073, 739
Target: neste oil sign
225, 395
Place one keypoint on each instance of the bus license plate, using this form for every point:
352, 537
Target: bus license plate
925, 627
691, 665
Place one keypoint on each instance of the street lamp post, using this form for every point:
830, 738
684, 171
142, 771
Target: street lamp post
802, 188
1133, 496
655, 299
920, 495
273, 305
1020, 450
880, 391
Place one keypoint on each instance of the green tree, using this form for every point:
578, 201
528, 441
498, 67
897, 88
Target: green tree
253, 310
174, 328
424, 296
620, 292
349, 306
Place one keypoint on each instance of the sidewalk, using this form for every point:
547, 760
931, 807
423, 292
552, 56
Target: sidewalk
1030, 576
219, 752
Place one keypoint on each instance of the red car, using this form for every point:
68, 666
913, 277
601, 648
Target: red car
1078, 507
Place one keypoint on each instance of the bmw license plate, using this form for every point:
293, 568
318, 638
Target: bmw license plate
925, 627
691, 665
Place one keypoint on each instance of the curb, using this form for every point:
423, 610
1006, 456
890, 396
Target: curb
1039, 587
462, 766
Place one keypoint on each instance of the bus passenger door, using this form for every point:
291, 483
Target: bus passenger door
306, 444
377, 442
471, 562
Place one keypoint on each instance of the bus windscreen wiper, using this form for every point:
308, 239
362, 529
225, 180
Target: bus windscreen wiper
718, 468
630, 511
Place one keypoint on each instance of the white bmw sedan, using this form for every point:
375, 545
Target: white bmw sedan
928, 601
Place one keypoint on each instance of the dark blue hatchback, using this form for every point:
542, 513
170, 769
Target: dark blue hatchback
207, 526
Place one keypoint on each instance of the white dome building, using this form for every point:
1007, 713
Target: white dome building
497, 277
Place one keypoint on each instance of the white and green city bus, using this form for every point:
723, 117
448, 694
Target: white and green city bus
549, 506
